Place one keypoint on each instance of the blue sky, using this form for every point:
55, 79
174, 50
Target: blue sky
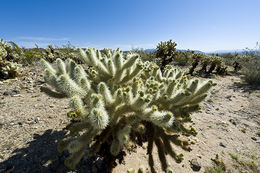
205, 25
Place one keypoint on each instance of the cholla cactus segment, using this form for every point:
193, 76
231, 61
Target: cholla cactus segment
9, 69
113, 67
119, 100
3, 52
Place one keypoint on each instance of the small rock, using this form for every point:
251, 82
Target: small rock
17, 95
195, 165
30, 90
209, 106
258, 141
233, 121
13, 92
254, 138
36, 120
199, 156
20, 123
222, 145
217, 109
39, 82
229, 97
51, 106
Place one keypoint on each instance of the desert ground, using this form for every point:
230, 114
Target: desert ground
31, 124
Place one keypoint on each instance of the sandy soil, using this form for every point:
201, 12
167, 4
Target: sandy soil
31, 124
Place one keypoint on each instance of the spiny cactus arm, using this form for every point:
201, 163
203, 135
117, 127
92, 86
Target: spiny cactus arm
123, 135
161, 118
134, 71
47, 66
112, 66
100, 139
3, 52
106, 93
67, 79
77, 127
77, 148
72, 161
115, 147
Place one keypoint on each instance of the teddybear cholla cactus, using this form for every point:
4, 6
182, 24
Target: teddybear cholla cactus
119, 100
7, 69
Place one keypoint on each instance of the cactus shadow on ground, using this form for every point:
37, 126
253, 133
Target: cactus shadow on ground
245, 87
41, 155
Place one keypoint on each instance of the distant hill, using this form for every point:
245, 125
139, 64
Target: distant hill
182, 50
236, 51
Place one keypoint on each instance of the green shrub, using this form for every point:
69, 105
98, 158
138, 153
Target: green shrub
251, 70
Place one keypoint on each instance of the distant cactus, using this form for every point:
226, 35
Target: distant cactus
8, 69
119, 101
196, 58
65, 52
209, 64
166, 52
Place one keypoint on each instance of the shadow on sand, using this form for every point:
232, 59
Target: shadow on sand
40, 155
249, 88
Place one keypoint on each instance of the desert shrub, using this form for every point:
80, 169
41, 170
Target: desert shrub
120, 101
251, 70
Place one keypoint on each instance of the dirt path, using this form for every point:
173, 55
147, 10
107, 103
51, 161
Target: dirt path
31, 124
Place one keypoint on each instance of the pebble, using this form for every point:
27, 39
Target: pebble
31, 90
222, 145
195, 165
37, 119
13, 92
17, 95
208, 105
234, 121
